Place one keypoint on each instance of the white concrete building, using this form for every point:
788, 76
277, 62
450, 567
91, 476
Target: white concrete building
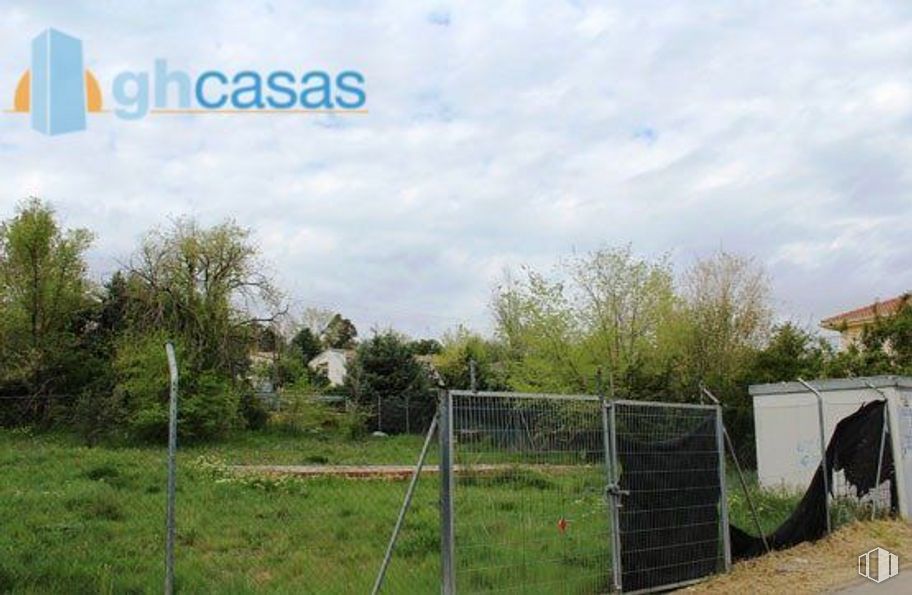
787, 427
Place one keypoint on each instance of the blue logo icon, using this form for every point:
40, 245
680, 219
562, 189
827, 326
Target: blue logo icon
58, 89
58, 92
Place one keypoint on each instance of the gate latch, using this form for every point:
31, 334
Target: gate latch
614, 491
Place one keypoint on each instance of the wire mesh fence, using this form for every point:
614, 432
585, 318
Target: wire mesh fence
673, 523
307, 528
402, 415
64, 502
529, 508
863, 474
860, 479
550, 494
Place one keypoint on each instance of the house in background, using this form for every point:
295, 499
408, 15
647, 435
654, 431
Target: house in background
850, 325
333, 363
260, 373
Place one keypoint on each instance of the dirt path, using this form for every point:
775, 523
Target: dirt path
389, 471
829, 565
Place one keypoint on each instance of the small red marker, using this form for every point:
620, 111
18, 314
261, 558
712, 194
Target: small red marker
562, 524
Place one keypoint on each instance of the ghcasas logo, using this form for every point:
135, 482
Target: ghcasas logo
58, 91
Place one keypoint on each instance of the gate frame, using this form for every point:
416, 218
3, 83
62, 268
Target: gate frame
613, 493
723, 495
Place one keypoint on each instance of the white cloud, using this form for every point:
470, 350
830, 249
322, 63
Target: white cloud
501, 133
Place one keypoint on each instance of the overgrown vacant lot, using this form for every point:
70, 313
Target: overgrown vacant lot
79, 519
87, 520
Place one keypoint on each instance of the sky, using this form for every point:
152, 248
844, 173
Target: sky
499, 134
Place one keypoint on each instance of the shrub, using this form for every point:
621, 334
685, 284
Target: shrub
301, 414
253, 412
207, 403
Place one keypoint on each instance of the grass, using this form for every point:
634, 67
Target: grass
773, 506
90, 520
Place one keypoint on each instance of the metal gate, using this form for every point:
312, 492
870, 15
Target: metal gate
669, 492
546, 493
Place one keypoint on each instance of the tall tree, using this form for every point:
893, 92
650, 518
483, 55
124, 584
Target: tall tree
535, 319
207, 287
340, 333
606, 308
386, 379
627, 304
461, 347
306, 345
727, 305
885, 347
43, 290
792, 352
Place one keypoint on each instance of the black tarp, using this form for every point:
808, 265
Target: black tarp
669, 521
854, 449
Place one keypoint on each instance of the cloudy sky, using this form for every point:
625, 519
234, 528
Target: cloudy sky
500, 133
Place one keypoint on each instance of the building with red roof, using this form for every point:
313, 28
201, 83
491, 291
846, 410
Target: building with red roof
851, 324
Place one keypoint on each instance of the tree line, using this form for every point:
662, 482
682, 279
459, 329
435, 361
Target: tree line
90, 356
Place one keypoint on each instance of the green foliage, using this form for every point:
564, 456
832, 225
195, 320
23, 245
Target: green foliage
385, 373
726, 305
608, 308
43, 292
301, 414
792, 352
253, 412
208, 403
885, 348
306, 345
773, 506
654, 339
425, 347
462, 347
190, 280
100, 414
290, 369
340, 333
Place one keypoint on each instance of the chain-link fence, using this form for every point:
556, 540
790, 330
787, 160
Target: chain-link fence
64, 506
853, 428
529, 493
673, 521
529, 504
401, 415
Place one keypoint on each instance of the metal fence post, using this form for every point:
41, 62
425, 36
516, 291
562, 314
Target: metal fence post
447, 542
731, 450
723, 489
473, 382
823, 456
172, 470
608, 429
410, 492
885, 427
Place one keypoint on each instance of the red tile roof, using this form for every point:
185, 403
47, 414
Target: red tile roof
867, 313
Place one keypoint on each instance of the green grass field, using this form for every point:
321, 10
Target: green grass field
89, 520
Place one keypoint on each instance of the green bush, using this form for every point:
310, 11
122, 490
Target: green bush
253, 412
99, 412
301, 414
207, 404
